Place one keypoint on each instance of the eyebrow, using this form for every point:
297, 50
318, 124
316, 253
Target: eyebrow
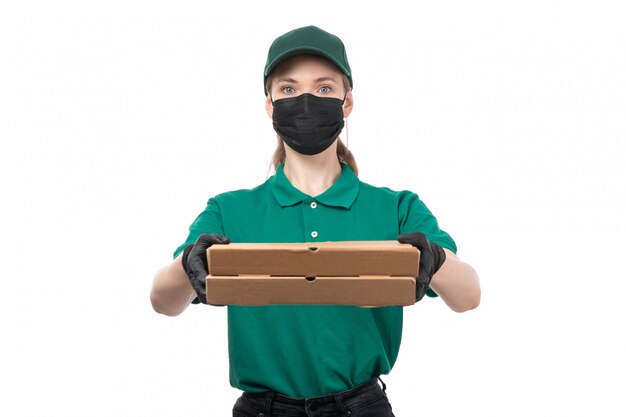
317, 80
321, 79
286, 80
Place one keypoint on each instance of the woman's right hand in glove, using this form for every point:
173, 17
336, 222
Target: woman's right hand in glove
195, 263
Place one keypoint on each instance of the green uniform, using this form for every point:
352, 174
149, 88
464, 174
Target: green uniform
313, 350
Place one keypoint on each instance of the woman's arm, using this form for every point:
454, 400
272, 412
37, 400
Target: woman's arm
457, 284
171, 290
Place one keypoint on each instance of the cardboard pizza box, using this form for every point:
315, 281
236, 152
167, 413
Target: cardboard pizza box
362, 273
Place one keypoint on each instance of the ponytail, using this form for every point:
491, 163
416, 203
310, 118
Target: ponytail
345, 156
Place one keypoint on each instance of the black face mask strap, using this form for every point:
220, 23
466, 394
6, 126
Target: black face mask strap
346, 122
347, 136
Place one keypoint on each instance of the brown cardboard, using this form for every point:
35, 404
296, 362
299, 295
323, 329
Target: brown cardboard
354, 258
264, 290
365, 273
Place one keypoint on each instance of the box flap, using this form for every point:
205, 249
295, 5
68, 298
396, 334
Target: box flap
351, 258
367, 291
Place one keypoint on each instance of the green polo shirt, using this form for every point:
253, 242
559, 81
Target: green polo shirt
313, 350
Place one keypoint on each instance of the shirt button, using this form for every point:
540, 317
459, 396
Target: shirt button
313, 205
314, 234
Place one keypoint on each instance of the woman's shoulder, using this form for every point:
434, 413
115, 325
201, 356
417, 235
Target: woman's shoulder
243, 194
385, 192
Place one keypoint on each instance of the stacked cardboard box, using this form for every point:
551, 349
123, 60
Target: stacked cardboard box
362, 273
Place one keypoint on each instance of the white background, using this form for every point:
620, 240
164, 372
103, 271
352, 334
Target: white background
119, 119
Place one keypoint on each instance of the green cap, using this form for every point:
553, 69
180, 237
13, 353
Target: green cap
309, 39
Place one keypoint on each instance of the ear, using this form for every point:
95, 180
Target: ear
269, 106
347, 105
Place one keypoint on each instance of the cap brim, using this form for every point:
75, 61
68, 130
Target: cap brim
302, 50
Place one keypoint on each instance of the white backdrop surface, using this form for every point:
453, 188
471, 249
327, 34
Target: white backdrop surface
119, 119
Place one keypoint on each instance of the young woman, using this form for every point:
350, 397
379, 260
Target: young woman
313, 360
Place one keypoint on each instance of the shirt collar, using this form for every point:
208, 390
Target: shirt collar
341, 194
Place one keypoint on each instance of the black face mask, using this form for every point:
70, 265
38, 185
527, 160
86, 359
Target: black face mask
307, 123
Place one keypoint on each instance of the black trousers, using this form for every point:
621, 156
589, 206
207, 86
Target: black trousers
366, 400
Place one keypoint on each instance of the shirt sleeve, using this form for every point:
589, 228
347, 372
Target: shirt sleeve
209, 221
414, 216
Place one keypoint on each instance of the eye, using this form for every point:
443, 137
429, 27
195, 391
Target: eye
325, 89
288, 90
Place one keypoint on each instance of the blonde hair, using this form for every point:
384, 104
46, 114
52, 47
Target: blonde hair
343, 153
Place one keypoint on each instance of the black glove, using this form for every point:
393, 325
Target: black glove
432, 257
195, 263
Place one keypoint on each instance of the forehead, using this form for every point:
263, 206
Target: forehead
307, 65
